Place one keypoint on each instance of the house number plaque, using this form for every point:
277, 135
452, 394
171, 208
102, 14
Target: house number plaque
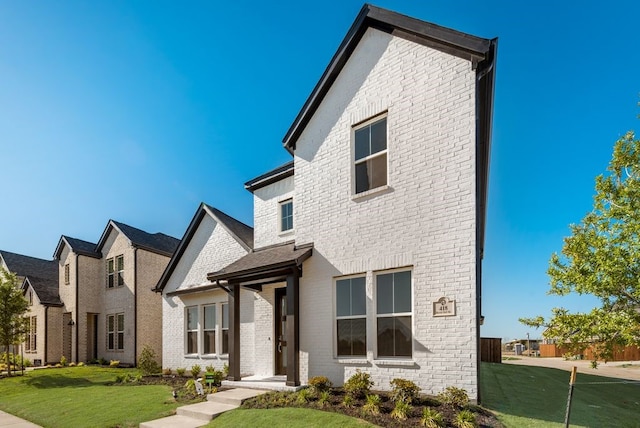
444, 308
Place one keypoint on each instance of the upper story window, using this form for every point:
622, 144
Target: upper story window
370, 150
115, 272
286, 215
66, 274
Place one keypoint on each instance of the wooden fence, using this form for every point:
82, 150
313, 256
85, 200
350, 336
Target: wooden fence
628, 353
491, 349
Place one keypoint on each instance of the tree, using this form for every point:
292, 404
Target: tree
602, 258
13, 306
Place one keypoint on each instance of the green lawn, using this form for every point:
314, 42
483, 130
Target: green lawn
524, 396
83, 397
289, 417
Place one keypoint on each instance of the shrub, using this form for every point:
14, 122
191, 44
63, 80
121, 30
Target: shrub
209, 369
58, 365
147, 361
72, 364
319, 384
358, 385
323, 399
114, 363
225, 369
431, 418
347, 401
456, 397
166, 371
465, 419
63, 361
372, 406
80, 364
190, 386
401, 411
195, 371
217, 376
404, 390
180, 371
303, 396
102, 362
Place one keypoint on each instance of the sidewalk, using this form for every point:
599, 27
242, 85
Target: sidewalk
7, 420
629, 370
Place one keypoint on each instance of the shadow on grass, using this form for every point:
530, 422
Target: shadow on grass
540, 393
61, 380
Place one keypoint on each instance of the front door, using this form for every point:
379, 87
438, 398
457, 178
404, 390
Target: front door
280, 318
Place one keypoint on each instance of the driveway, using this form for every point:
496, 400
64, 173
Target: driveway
629, 370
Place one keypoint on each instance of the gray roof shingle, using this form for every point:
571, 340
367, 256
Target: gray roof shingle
46, 289
29, 266
155, 242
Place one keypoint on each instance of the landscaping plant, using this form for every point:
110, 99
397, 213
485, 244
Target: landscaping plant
465, 419
320, 384
401, 410
404, 390
373, 404
457, 397
195, 371
147, 361
431, 418
358, 385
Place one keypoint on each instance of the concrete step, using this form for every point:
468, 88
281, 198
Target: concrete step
234, 397
204, 411
176, 421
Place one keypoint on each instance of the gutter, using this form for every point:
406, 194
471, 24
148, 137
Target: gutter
46, 333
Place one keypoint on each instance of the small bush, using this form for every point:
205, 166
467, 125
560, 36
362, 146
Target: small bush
456, 397
358, 385
465, 419
404, 390
303, 396
147, 361
372, 406
63, 361
80, 364
225, 369
102, 362
114, 363
190, 386
217, 376
324, 397
180, 371
195, 371
431, 418
209, 369
166, 371
72, 364
348, 401
319, 384
401, 411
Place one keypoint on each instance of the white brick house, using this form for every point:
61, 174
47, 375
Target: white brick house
378, 218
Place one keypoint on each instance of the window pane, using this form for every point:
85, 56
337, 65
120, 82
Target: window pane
111, 323
358, 296
120, 322
225, 315
402, 291
377, 171
120, 262
379, 136
110, 281
209, 317
402, 336
120, 340
192, 318
209, 342
385, 337
362, 177
352, 337
384, 293
110, 341
362, 143
110, 266
225, 341
343, 297
192, 342
120, 278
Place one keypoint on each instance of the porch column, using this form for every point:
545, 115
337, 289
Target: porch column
234, 332
293, 328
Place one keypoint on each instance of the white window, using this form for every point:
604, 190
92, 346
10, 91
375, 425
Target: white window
225, 328
209, 329
192, 330
394, 314
66, 274
31, 343
351, 316
115, 332
120, 270
370, 155
286, 215
115, 272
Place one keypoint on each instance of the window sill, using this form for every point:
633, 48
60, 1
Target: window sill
191, 356
353, 361
363, 195
395, 363
287, 232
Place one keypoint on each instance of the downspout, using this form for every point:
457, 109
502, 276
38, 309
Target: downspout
46, 333
135, 307
77, 325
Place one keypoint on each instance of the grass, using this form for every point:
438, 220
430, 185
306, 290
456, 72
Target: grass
524, 396
81, 397
289, 417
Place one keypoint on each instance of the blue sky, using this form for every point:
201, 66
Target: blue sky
138, 111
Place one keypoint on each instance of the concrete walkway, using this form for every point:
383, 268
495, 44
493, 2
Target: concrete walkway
200, 414
629, 370
7, 420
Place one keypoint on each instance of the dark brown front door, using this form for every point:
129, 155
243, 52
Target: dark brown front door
280, 318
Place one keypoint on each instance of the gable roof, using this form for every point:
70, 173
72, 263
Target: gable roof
29, 266
158, 243
45, 288
275, 175
78, 246
472, 48
238, 230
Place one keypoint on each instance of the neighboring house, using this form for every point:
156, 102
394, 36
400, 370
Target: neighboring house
368, 246
38, 281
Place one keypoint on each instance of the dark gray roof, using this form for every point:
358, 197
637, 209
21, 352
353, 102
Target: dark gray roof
264, 260
240, 231
30, 266
154, 242
277, 174
45, 288
78, 246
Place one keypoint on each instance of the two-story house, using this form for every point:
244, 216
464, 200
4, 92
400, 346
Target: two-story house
367, 247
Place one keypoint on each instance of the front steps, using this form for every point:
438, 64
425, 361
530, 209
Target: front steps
200, 414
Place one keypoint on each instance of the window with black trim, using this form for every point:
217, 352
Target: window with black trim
394, 314
370, 150
115, 272
351, 317
192, 330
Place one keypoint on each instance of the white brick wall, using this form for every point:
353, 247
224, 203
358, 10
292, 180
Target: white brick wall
267, 213
425, 219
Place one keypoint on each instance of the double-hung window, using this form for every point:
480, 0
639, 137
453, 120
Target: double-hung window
209, 329
351, 316
192, 330
370, 149
286, 215
115, 332
115, 272
66, 274
120, 270
110, 274
394, 313
31, 343
225, 328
